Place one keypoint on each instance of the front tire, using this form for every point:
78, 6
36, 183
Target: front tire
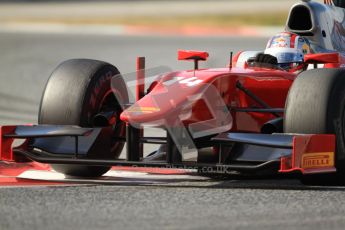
76, 91
316, 105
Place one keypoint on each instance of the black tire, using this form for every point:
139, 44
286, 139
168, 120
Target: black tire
76, 91
315, 105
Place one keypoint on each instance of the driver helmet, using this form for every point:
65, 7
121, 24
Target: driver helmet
289, 49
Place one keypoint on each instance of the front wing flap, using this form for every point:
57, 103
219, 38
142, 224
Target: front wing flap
305, 153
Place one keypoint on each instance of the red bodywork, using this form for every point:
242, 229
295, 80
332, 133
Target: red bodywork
169, 98
171, 93
192, 55
164, 99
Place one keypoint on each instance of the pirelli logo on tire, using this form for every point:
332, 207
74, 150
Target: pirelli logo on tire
317, 160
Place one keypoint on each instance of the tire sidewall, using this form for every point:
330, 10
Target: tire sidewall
336, 116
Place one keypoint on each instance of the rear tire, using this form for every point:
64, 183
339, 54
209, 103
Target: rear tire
315, 105
76, 91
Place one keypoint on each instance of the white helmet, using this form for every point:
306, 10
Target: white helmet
289, 49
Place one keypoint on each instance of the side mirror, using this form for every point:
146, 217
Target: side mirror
191, 55
322, 58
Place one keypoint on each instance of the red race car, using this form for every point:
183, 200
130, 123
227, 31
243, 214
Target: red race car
276, 111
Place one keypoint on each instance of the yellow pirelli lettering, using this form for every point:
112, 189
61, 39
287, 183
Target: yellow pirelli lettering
317, 160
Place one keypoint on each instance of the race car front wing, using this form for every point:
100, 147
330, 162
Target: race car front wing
247, 152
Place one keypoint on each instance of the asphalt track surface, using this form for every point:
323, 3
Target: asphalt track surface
26, 61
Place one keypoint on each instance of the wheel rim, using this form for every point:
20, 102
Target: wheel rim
109, 103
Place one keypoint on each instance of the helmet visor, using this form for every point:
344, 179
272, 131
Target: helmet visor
286, 55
